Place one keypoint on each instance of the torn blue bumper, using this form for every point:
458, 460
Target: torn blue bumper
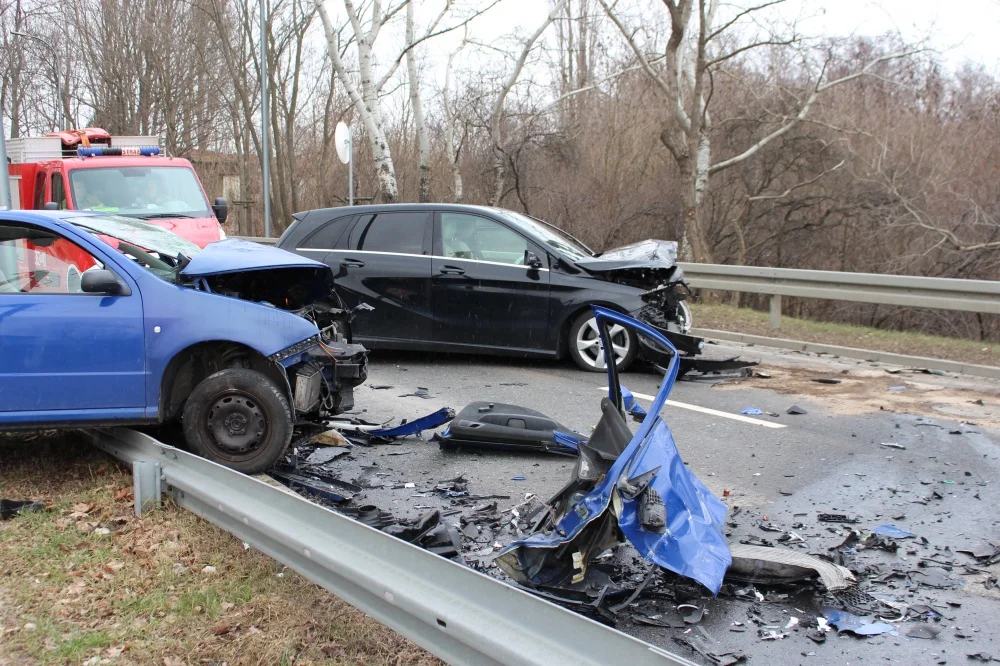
688, 540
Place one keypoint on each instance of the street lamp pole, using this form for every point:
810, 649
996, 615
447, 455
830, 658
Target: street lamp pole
265, 143
61, 101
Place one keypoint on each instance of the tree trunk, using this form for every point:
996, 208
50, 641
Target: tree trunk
420, 124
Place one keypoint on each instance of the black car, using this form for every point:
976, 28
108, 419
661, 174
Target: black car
448, 277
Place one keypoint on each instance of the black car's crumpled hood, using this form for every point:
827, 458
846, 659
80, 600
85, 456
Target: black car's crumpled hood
644, 254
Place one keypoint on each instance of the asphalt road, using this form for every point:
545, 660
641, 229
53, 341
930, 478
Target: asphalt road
828, 460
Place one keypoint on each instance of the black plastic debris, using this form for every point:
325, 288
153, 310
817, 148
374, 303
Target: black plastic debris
983, 551
826, 380
10, 508
498, 426
795, 409
325, 454
837, 518
923, 630
321, 485
421, 392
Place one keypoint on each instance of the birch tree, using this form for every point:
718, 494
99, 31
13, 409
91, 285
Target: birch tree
697, 49
419, 121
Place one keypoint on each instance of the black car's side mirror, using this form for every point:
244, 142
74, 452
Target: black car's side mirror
531, 259
221, 209
101, 281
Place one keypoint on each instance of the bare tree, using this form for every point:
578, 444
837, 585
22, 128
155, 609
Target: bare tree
686, 84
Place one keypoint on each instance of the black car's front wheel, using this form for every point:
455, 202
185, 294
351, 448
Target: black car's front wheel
238, 418
587, 351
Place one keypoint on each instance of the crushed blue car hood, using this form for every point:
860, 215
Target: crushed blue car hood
234, 255
694, 543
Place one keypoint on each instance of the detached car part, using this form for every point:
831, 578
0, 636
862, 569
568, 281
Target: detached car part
503, 427
627, 486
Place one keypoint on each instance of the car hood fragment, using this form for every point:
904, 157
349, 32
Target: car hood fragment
644, 254
234, 255
631, 485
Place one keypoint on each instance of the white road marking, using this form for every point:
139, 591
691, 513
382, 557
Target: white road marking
705, 410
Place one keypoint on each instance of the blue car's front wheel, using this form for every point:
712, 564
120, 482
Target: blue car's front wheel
238, 418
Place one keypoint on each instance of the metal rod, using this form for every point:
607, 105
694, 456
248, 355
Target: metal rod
62, 98
350, 166
265, 143
4, 174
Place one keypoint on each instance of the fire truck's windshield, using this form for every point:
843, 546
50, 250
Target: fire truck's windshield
143, 192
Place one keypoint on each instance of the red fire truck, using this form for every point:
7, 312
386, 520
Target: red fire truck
126, 175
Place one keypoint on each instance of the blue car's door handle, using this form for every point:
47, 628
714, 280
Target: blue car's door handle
352, 263
452, 270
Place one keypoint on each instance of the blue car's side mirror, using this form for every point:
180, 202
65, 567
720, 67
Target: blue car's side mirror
102, 281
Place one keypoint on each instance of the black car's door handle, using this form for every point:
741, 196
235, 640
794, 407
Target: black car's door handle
352, 263
452, 270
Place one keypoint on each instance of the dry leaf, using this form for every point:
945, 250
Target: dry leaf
83, 507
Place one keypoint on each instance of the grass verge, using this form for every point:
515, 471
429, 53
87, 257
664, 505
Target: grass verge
745, 320
86, 582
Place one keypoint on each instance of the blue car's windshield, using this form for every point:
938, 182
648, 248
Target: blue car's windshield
553, 237
150, 246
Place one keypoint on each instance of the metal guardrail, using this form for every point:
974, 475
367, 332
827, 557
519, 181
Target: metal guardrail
903, 290
459, 614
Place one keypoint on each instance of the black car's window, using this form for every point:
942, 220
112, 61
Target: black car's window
473, 237
326, 237
394, 232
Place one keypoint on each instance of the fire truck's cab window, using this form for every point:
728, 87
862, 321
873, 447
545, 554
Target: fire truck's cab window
35, 261
39, 191
58, 190
143, 192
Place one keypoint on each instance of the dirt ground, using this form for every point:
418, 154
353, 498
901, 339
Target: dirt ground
863, 390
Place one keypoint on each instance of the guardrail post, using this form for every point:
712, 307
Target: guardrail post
775, 319
146, 486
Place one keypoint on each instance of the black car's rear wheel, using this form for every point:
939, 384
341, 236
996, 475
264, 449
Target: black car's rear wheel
238, 418
587, 351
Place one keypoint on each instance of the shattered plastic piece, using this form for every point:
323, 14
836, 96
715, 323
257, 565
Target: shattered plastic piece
592, 507
893, 445
752, 411
328, 488
421, 392
517, 478
897, 388
505, 427
826, 380
756, 564
325, 455
329, 438
795, 409
981, 551
860, 626
438, 418
632, 406
892, 532
837, 518
10, 508
923, 630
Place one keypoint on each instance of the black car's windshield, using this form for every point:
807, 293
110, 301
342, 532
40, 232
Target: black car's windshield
150, 246
139, 191
550, 235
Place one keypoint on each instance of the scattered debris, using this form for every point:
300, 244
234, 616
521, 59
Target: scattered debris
893, 445
795, 409
838, 518
826, 380
421, 392
897, 388
752, 411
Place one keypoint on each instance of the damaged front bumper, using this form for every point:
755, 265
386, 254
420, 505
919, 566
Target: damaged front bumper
321, 375
625, 485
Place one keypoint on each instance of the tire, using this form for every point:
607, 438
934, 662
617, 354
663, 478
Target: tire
585, 345
238, 418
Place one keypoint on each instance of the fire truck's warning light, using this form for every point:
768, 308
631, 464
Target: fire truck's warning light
125, 151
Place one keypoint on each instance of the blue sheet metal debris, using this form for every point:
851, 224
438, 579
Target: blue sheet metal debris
637, 484
893, 532
416, 426
752, 411
855, 624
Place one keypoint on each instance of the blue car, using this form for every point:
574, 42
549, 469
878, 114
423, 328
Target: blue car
108, 321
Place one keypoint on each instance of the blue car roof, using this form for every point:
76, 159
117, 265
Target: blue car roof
234, 255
